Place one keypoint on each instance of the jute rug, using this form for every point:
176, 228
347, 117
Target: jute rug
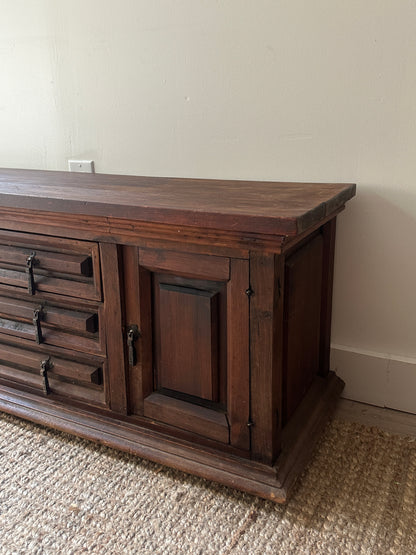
62, 495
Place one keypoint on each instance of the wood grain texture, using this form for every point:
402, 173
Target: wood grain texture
54, 261
238, 358
302, 433
200, 420
328, 234
138, 311
228, 285
265, 207
141, 234
188, 320
192, 265
302, 321
200, 338
273, 483
66, 377
183, 238
69, 320
110, 264
50, 337
266, 371
61, 266
66, 390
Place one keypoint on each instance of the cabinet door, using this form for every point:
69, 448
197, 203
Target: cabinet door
190, 364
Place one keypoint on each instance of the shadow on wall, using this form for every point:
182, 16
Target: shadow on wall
375, 273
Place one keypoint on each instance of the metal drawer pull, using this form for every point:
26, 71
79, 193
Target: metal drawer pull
30, 261
132, 334
45, 366
37, 316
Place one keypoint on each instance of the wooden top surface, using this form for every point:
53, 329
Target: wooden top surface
242, 206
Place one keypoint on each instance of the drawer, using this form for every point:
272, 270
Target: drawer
52, 374
51, 324
38, 264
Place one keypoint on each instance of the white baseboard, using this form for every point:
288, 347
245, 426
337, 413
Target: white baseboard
376, 378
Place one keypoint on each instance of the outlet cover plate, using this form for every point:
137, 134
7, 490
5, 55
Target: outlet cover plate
85, 166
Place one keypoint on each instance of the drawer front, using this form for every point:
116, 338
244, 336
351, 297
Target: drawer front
38, 264
52, 374
50, 324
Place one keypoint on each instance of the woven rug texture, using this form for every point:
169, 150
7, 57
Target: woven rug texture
63, 495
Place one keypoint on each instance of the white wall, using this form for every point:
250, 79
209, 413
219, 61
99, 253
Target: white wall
265, 89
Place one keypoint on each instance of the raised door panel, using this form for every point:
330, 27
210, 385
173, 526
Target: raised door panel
187, 358
189, 342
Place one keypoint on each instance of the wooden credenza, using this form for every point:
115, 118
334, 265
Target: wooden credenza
186, 321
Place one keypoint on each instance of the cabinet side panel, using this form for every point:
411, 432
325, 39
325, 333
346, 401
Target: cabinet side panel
328, 234
303, 288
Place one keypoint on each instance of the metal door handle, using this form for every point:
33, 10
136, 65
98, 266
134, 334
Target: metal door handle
45, 366
37, 316
31, 285
132, 334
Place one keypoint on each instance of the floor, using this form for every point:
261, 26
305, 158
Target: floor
61, 494
393, 421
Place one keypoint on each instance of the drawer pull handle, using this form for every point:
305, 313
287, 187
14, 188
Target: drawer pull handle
37, 316
132, 334
30, 261
45, 366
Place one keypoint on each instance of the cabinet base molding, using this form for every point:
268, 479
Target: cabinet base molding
274, 483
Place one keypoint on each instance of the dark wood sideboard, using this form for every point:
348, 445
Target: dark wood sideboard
183, 320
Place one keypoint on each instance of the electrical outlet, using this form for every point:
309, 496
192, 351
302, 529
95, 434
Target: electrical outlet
86, 166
